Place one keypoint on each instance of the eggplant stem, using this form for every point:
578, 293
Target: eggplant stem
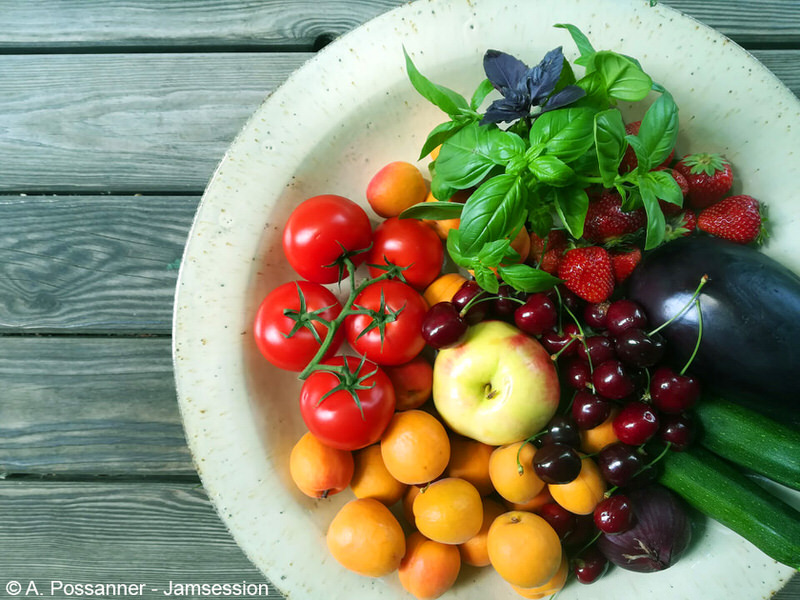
699, 337
692, 300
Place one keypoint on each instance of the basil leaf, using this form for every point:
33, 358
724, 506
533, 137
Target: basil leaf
642, 153
480, 94
659, 130
433, 210
610, 144
623, 79
454, 250
470, 154
565, 133
540, 219
449, 101
526, 278
595, 87
581, 41
551, 170
493, 253
495, 210
439, 135
656, 224
567, 78
571, 205
441, 189
485, 277
665, 187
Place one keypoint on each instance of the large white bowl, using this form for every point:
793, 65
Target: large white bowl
328, 129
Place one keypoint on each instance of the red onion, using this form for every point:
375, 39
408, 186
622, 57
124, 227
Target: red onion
660, 535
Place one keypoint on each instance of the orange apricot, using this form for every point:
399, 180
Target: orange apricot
412, 382
524, 549
318, 470
429, 568
365, 537
474, 551
408, 503
512, 474
469, 459
534, 504
442, 227
449, 511
443, 288
371, 478
595, 439
415, 447
582, 494
396, 187
547, 589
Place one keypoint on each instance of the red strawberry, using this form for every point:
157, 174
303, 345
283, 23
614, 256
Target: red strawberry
681, 225
606, 222
629, 160
553, 247
623, 262
736, 218
587, 272
709, 176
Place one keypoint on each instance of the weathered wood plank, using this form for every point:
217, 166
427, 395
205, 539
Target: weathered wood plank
90, 407
147, 123
130, 123
90, 264
124, 532
297, 24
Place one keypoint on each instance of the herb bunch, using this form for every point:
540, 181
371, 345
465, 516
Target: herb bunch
533, 153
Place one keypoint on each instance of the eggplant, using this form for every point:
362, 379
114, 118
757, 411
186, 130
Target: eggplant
750, 346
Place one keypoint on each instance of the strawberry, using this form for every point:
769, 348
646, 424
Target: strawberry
553, 247
587, 272
681, 225
623, 262
606, 222
629, 160
709, 176
736, 218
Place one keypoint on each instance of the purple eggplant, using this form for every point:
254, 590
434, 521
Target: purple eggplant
750, 347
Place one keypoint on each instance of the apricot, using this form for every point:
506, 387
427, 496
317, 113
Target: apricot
443, 288
534, 504
412, 382
511, 472
365, 537
581, 495
449, 511
547, 589
595, 439
396, 187
415, 447
474, 551
371, 478
524, 549
429, 568
442, 227
318, 470
469, 460
408, 504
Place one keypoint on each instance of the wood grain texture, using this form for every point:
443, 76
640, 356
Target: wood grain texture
148, 123
91, 264
122, 532
126, 122
98, 406
297, 24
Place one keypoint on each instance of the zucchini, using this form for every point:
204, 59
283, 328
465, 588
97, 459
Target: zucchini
719, 490
750, 439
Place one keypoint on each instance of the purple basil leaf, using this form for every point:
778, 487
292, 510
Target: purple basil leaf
503, 70
568, 95
542, 78
503, 110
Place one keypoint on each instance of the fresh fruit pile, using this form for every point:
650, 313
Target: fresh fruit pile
476, 377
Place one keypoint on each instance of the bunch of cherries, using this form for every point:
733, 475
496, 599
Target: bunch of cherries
615, 369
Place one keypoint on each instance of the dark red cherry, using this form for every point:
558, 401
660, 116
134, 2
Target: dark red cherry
589, 565
554, 342
595, 315
678, 430
636, 348
619, 463
635, 423
614, 514
596, 348
672, 392
470, 291
537, 315
589, 410
624, 314
557, 463
560, 519
577, 373
612, 380
442, 327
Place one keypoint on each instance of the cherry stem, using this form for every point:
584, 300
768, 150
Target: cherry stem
520, 468
581, 337
703, 281
699, 337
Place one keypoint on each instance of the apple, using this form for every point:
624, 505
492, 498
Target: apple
498, 386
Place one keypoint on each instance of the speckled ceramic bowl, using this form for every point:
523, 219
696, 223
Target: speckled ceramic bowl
338, 119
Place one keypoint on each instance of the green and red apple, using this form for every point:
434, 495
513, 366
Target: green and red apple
498, 386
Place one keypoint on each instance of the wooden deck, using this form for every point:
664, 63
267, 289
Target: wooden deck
113, 116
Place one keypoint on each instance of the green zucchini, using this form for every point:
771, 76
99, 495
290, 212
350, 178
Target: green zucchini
719, 490
750, 439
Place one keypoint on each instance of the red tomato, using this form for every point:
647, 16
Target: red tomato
336, 420
395, 337
407, 243
316, 232
271, 324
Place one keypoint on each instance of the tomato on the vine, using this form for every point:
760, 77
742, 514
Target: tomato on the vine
319, 231
407, 243
283, 311
332, 413
388, 330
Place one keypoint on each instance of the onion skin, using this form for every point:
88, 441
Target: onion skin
661, 533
